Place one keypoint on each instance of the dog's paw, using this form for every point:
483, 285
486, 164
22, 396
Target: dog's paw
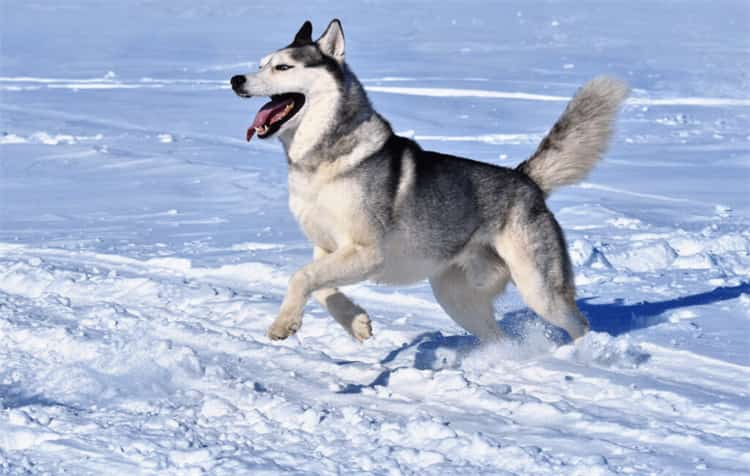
361, 327
283, 328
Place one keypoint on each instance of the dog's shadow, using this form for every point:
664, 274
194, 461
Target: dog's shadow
617, 318
614, 318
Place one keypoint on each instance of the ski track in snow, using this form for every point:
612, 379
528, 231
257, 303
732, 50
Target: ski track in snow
145, 248
30, 83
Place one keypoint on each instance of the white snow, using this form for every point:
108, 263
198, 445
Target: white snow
145, 247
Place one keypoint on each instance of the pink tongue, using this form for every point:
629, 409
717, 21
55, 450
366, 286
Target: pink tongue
266, 114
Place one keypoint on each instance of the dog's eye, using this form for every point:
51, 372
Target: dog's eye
282, 67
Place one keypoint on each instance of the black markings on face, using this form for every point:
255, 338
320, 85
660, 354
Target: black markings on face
311, 57
306, 55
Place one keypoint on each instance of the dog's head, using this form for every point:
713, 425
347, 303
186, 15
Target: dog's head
291, 76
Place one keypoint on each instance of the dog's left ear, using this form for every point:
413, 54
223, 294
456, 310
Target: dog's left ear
304, 35
331, 42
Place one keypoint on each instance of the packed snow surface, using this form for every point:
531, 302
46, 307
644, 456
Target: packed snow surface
145, 247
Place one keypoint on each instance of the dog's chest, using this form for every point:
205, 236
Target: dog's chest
328, 211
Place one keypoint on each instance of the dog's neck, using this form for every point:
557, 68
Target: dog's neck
337, 126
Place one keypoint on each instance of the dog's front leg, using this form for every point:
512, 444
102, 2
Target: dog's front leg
347, 265
347, 313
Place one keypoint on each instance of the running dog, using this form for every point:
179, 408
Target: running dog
376, 206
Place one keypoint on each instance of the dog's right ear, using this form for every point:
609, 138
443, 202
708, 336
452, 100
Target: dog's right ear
304, 35
332, 41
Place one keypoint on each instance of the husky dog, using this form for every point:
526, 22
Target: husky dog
376, 206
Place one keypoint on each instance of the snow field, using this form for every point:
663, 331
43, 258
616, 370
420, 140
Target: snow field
145, 248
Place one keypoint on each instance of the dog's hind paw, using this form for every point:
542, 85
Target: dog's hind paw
281, 329
361, 327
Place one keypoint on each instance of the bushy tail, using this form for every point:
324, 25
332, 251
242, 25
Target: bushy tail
579, 137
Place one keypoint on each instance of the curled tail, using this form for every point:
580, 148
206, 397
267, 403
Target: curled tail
579, 137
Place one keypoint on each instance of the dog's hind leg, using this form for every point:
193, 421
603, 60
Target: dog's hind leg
470, 306
351, 317
533, 246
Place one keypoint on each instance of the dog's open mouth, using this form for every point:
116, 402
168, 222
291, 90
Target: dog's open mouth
274, 113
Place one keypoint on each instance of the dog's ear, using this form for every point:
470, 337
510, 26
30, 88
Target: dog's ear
304, 35
331, 42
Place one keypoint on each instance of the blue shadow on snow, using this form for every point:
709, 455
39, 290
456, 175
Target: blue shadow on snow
615, 318
618, 318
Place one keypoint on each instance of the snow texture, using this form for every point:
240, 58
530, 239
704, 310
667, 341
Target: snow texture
145, 247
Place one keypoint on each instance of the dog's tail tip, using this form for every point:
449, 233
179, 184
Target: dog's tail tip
579, 137
609, 88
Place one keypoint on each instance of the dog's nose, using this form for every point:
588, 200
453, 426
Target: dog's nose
237, 81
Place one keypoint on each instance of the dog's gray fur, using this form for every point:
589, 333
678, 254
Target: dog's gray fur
376, 206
